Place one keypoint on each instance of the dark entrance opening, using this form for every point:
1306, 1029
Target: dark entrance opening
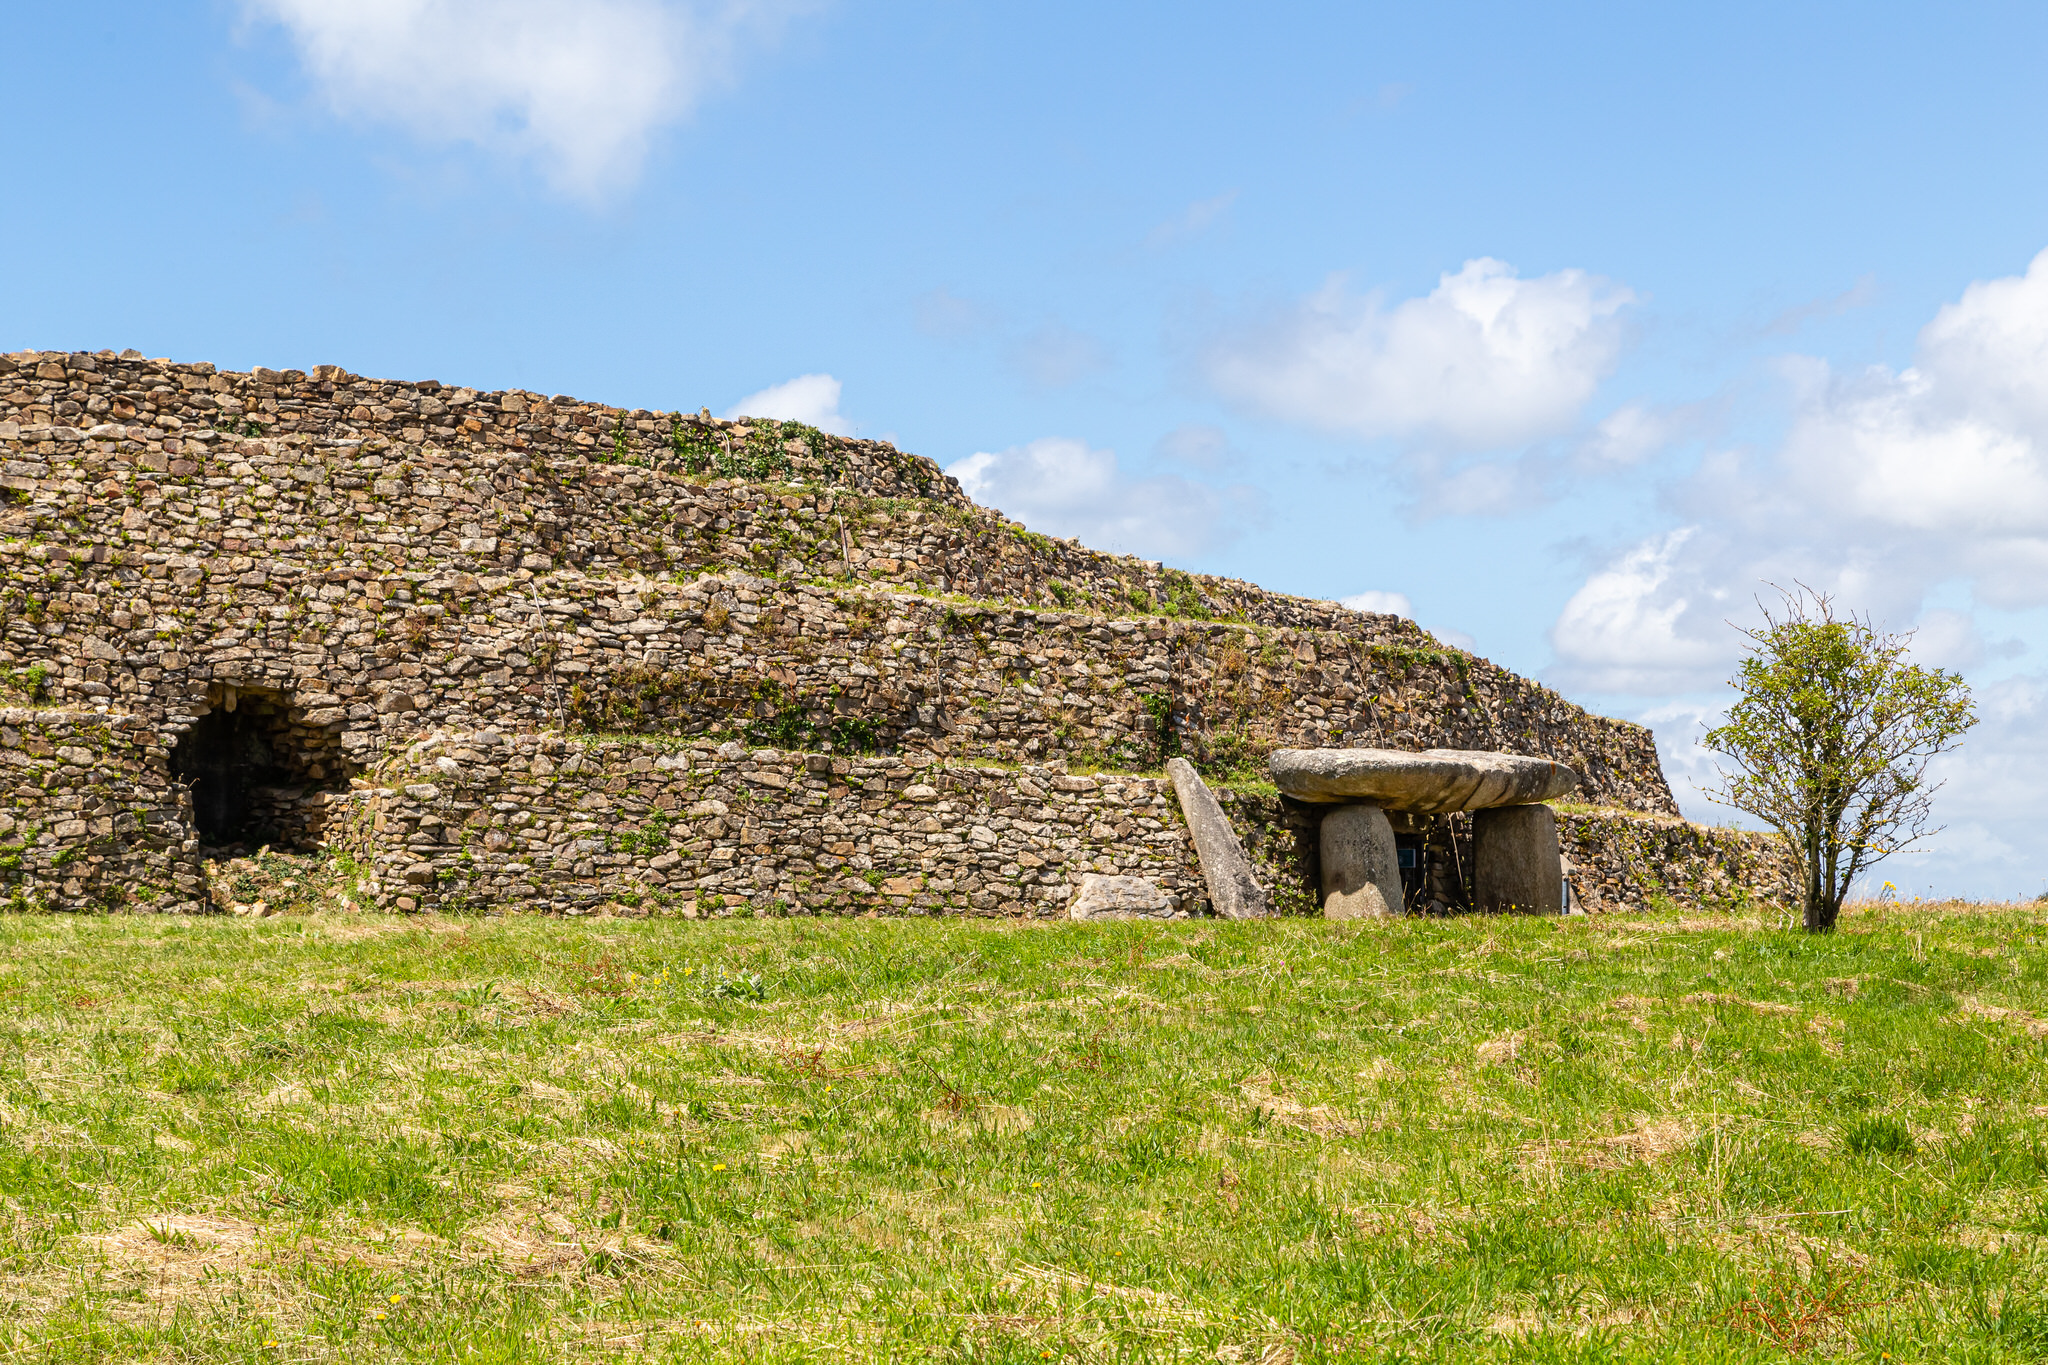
257, 775
1409, 853
1435, 857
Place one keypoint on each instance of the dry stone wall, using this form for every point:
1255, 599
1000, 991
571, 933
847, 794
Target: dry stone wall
105, 451
788, 662
572, 826
189, 411
484, 820
1623, 860
89, 817
89, 592
373, 562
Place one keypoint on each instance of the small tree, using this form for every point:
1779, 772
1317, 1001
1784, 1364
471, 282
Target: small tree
1831, 736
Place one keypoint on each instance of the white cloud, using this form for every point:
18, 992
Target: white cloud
1627, 436
1485, 361
1947, 638
577, 86
1481, 488
1886, 485
2001, 771
1620, 632
1065, 487
809, 398
1385, 603
1994, 788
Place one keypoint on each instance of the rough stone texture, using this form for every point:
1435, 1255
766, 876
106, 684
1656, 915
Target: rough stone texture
1101, 897
1517, 866
1618, 861
499, 576
571, 825
1429, 782
89, 817
1234, 892
483, 821
376, 562
1361, 867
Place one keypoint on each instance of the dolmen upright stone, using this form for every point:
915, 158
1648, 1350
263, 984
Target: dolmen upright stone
1361, 864
1517, 864
1517, 869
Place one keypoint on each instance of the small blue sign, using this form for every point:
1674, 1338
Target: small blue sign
1409, 861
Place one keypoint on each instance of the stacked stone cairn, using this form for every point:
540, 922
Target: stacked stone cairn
515, 652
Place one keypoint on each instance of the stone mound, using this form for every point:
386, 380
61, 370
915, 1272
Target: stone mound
512, 651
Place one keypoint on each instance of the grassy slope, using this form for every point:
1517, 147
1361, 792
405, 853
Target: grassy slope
1470, 1139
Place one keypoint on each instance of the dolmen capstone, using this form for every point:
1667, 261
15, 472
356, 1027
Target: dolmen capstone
1517, 865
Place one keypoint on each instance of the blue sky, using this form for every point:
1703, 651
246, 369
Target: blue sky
1563, 327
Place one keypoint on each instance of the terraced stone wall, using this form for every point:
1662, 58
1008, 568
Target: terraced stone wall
385, 560
798, 665
569, 826
1619, 860
188, 412
543, 823
89, 818
235, 507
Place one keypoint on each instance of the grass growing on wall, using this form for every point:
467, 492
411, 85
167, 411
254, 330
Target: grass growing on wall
348, 1138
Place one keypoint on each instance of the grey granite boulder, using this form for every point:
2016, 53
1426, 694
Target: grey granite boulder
1233, 891
1101, 897
1431, 781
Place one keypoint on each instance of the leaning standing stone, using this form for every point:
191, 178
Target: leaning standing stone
1516, 866
1233, 890
1361, 867
1119, 898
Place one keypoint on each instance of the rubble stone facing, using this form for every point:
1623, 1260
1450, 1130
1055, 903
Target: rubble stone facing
385, 561
293, 560
568, 825
1616, 860
89, 817
187, 408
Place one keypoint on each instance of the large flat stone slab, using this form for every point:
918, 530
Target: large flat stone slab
1431, 781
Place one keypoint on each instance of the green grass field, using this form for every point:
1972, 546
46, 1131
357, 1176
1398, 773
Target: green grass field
353, 1138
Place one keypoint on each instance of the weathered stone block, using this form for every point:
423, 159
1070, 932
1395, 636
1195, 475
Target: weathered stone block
1100, 897
1234, 892
1517, 868
1361, 866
